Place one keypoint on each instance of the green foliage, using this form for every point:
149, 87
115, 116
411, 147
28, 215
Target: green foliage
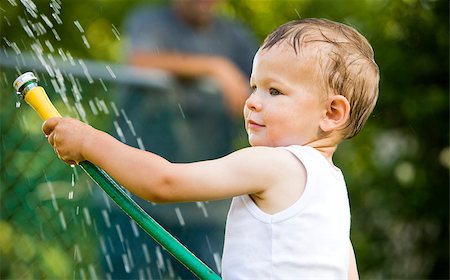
396, 169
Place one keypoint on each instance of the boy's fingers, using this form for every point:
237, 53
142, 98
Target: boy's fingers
49, 125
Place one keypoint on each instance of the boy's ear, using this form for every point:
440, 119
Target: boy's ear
337, 113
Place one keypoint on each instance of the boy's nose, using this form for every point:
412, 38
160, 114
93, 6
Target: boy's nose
253, 103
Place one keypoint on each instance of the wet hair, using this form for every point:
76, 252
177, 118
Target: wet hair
346, 60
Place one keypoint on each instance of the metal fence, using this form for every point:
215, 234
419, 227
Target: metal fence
55, 223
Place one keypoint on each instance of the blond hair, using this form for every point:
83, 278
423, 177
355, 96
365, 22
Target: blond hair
347, 60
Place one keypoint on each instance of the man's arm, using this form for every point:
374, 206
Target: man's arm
230, 80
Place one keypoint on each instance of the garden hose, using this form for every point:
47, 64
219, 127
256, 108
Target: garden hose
27, 89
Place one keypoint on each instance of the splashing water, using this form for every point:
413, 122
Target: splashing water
128, 121
101, 105
179, 216
109, 263
106, 218
77, 254
93, 107
181, 111
85, 41
87, 216
35, 26
78, 25
119, 132
62, 220
92, 272
119, 232
134, 227
110, 71
159, 259
146, 253
103, 84
202, 206
115, 32
126, 263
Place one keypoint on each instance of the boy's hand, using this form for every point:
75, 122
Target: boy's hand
67, 136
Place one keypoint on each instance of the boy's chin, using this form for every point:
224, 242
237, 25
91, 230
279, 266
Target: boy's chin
257, 142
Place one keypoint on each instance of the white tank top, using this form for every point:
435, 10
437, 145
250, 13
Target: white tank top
308, 240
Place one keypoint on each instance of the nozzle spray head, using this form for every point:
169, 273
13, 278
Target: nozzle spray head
24, 83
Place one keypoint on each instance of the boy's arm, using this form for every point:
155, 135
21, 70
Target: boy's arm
247, 171
352, 267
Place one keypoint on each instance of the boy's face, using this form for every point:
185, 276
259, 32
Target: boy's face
285, 107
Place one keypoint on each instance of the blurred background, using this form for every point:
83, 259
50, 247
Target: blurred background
56, 224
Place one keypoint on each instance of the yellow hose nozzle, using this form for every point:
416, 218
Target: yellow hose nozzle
28, 89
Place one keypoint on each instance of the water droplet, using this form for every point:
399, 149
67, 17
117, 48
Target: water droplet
49, 46
129, 254
116, 32
103, 84
218, 261
82, 274
159, 259
170, 268
140, 143
181, 111
119, 232
109, 263
77, 254
85, 71
146, 253
72, 181
56, 35
119, 132
92, 271
78, 25
135, 228
114, 107
106, 218
179, 216
87, 216
52, 195
12, 2
85, 41
101, 104
111, 71
126, 263
93, 107
129, 122
30, 7
107, 201
202, 206
18, 103
47, 21
62, 220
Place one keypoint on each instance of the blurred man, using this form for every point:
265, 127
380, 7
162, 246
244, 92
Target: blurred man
211, 58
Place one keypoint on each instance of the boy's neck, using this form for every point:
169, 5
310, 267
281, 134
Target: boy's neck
326, 146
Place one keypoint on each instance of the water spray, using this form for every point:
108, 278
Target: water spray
28, 89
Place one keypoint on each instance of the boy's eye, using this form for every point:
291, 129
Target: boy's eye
273, 91
252, 89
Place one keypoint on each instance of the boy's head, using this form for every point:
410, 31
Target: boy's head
345, 64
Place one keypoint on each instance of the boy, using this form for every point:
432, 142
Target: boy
314, 83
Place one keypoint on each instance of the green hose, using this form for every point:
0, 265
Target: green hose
156, 231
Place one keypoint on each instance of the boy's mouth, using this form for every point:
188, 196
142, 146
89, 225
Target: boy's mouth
253, 124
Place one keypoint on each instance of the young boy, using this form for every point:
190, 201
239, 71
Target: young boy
314, 83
